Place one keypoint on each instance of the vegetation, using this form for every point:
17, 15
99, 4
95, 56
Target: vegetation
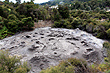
11, 64
89, 15
106, 66
92, 16
72, 65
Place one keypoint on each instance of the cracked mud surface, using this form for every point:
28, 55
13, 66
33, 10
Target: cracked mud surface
45, 47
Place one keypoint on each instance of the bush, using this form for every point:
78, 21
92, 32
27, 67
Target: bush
12, 17
108, 71
106, 45
59, 69
89, 27
108, 32
13, 26
101, 33
1, 23
77, 22
71, 65
56, 24
11, 64
105, 24
28, 22
0, 18
4, 12
64, 11
104, 67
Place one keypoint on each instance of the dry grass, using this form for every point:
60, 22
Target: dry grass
43, 24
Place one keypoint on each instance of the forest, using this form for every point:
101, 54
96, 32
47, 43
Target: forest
92, 16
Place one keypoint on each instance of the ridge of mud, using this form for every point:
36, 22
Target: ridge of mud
45, 47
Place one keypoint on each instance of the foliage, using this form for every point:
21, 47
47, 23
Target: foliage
72, 65
59, 69
108, 32
106, 67
0, 18
64, 11
11, 64
4, 12
12, 17
57, 15
28, 22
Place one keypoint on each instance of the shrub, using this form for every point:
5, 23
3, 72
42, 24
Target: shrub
56, 24
101, 33
104, 67
72, 65
1, 23
76, 22
107, 46
59, 69
105, 24
0, 18
4, 12
12, 17
108, 71
28, 22
4, 33
13, 26
108, 32
11, 64
89, 27
64, 11
69, 26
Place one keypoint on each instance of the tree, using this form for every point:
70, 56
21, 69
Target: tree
12, 17
32, 0
108, 32
18, 1
56, 14
64, 11
28, 22
12, 23
7, 0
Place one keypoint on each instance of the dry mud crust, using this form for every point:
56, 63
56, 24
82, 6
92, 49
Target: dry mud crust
45, 47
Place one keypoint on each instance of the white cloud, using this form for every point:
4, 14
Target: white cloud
35, 1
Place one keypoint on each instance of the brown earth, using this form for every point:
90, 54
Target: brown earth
41, 23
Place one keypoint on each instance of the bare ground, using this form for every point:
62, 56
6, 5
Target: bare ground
41, 23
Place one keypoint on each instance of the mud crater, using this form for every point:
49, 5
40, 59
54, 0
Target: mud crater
45, 47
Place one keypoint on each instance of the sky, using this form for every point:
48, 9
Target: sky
35, 1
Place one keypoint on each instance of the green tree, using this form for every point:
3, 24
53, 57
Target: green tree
18, 1
64, 11
12, 17
7, 0
57, 15
28, 22
108, 32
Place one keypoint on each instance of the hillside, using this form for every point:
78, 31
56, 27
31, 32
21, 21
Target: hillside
55, 2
